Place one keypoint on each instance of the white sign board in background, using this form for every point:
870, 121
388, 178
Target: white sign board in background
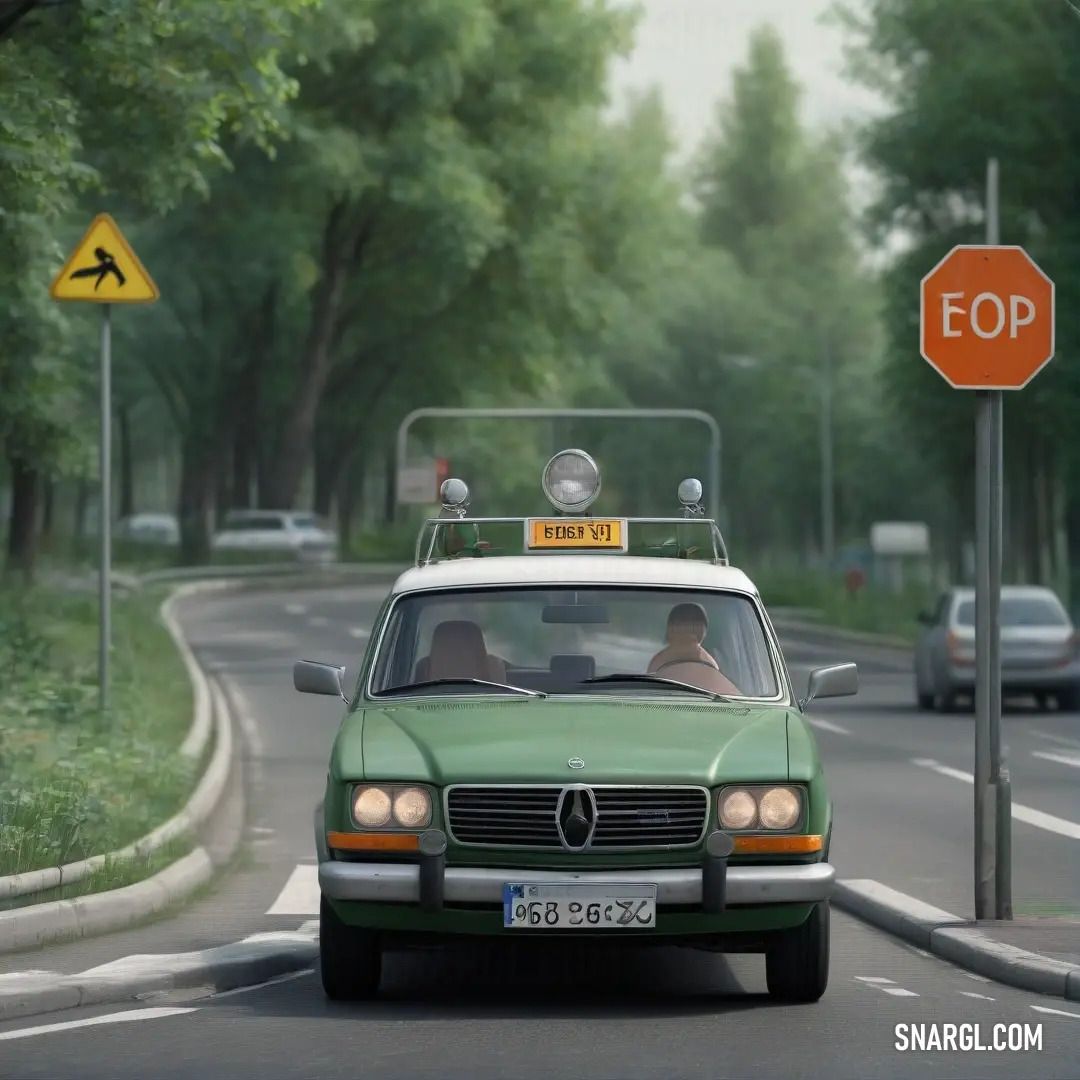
900, 538
418, 483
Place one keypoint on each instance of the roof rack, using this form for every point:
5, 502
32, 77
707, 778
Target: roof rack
568, 535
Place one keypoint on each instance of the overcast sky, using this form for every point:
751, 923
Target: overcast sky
689, 49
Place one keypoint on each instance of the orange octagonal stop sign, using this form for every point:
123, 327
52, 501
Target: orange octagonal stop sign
987, 318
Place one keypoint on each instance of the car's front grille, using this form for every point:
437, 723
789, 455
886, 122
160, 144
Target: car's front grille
626, 817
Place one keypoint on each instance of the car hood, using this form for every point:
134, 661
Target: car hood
533, 741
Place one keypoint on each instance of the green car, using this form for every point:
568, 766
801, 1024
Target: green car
586, 731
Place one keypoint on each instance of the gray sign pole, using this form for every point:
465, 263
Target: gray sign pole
993, 824
105, 513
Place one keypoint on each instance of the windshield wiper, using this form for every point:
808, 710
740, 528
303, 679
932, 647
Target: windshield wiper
659, 681
459, 682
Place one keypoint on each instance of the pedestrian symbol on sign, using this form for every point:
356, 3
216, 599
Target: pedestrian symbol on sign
106, 265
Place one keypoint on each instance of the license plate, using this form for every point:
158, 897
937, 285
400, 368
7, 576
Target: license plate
562, 535
579, 905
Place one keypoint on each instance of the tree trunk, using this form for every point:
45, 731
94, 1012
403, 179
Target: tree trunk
240, 497
389, 490
48, 508
127, 461
350, 495
198, 466
291, 456
22, 519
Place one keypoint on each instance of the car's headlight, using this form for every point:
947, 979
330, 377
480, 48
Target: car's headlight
769, 808
396, 807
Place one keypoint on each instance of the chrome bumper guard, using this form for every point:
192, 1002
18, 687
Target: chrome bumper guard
400, 883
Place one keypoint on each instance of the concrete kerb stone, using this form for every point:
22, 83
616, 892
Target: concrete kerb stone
900, 915
953, 939
227, 967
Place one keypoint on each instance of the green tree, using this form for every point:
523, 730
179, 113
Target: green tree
967, 81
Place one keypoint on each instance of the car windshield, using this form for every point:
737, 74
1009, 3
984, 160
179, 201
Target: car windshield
562, 641
303, 521
1019, 611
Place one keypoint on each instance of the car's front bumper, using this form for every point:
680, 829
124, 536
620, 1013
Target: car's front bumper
400, 883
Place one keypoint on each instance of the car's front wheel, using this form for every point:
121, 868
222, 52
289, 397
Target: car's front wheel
350, 958
797, 964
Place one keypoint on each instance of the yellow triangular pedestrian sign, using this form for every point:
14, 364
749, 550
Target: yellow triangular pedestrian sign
104, 270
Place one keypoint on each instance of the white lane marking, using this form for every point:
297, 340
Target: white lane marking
1037, 1008
898, 991
1022, 813
1072, 760
359, 632
887, 986
977, 978
244, 715
32, 974
269, 982
95, 1021
1059, 739
972, 994
300, 896
295, 609
872, 979
318, 620
309, 926
825, 725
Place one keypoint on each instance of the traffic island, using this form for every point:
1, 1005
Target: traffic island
1036, 953
82, 854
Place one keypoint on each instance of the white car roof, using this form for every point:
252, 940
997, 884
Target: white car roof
573, 570
1018, 592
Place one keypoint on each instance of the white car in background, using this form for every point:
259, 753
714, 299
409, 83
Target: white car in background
290, 533
162, 530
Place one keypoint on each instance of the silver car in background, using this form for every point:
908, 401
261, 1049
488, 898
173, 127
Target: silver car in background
285, 533
1039, 649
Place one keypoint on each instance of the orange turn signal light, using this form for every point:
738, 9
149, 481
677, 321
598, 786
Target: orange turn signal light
347, 841
777, 845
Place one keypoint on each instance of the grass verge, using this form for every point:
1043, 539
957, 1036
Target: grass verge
114, 874
871, 609
75, 782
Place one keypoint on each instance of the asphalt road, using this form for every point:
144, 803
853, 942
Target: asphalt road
567, 1011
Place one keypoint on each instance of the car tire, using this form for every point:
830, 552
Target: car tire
350, 958
797, 963
925, 702
1068, 700
945, 701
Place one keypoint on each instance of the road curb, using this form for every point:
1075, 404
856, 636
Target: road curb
33, 926
135, 978
954, 939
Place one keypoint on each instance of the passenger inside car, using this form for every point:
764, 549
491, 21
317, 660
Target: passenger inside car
684, 658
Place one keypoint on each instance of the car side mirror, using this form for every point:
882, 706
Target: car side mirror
837, 680
310, 677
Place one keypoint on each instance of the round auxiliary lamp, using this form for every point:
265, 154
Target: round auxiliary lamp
571, 481
454, 496
690, 492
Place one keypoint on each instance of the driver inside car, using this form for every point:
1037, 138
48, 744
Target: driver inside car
684, 658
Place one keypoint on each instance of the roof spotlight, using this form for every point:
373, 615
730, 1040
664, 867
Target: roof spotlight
454, 496
571, 481
690, 497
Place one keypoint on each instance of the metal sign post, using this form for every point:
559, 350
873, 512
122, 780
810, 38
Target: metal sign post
103, 269
987, 324
105, 513
598, 414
